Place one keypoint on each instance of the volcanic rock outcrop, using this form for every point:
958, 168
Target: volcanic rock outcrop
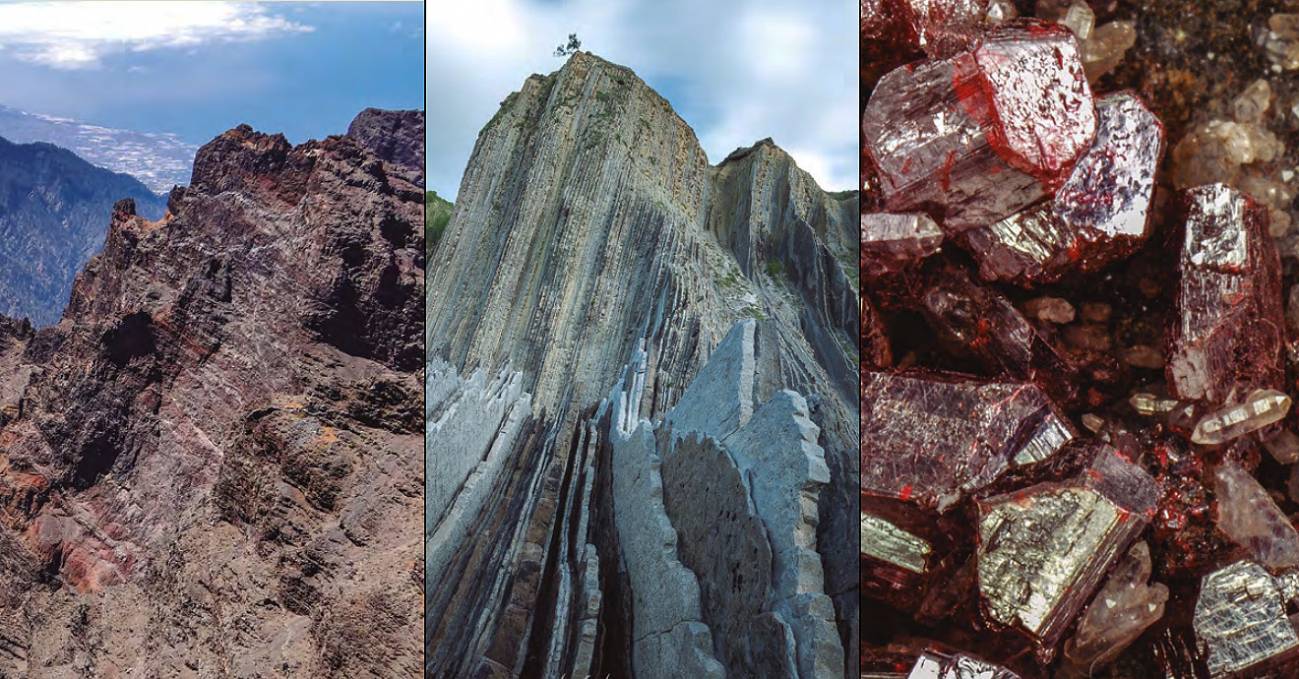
661, 479
53, 208
210, 466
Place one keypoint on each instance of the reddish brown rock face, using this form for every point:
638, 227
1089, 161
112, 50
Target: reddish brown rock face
229, 413
979, 136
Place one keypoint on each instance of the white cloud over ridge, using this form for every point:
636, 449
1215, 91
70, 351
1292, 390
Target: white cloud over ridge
737, 71
79, 35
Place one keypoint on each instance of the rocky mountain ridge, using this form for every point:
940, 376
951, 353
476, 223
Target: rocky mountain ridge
236, 490
591, 234
54, 207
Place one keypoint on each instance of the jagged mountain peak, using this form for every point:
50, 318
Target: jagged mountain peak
590, 233
245, 442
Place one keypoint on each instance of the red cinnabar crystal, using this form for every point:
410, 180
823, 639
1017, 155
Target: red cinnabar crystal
1101, 213
939, 28
981, 135
929, 439
1228, 336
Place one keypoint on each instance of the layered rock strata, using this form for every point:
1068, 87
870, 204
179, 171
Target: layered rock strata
590, 227
210, 466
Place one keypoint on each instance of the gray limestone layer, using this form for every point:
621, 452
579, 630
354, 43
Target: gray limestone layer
589, 230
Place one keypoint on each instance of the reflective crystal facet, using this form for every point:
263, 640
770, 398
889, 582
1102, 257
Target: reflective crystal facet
929, 441
979, 136
1043, 550
939, 28
1240, 619
890, 241
881, 539
1100, 214
1228, 335
935, 665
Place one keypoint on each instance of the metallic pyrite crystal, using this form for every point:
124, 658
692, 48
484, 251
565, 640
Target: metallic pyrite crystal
1228, 336
891, 241
935, 665
929, 440
881, 539
1043, 550
983, 134
1100, 214
1240, 618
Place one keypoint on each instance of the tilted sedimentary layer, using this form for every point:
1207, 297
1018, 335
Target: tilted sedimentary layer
210, 466
590, 233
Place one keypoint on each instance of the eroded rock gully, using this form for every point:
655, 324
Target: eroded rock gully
210, 467
642, 401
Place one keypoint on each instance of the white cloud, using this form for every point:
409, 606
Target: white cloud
737, 71
78, 35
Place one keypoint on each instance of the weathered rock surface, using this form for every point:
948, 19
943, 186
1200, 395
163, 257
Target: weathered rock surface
589, 226
236, 489
53, 208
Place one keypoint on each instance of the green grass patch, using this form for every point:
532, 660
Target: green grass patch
437, 212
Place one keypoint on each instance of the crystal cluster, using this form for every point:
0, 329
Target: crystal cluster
1100, 214
976, 137
1044, 549
1077, 401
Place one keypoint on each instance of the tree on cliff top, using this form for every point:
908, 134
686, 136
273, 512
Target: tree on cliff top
571, 48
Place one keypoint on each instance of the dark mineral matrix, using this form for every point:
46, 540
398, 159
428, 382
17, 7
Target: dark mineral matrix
1080, 339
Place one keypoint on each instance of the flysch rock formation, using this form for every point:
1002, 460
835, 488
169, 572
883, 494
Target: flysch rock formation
210, 467
593, 243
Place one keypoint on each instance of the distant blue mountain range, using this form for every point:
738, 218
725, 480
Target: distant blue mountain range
158, 160
55, 209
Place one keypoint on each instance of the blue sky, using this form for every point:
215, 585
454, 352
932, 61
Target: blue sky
736, 70
198, 69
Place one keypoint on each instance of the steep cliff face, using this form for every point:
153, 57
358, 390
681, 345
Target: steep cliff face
53, 208
589, 227
210, 466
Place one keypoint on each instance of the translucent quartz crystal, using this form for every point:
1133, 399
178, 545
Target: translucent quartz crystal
1215, 151
1000, 11
1050, 309
1284, 446
1143, 356
1251, 105
935, 665
1228, 335
1043, 550
1248, 515
1148, 404
890, 241
929, 441
1100, 214
1281, 42
1106, 47
978, 136
1240, 619
1079, 19
1263, 407
1119, 613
